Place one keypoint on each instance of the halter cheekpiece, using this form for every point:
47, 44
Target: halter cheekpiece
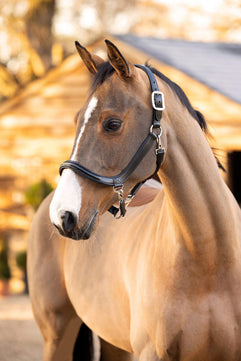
117, 182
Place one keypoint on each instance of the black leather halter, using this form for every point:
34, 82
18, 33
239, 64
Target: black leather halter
118, 181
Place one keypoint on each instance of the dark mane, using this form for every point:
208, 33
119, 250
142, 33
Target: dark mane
106, 70
182, 97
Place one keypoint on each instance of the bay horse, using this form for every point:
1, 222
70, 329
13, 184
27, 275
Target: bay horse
163, 282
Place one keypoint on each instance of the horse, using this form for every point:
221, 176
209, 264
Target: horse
160, 280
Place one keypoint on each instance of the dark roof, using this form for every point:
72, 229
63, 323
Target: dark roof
217, 65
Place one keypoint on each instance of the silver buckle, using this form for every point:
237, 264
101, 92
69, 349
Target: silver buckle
153, 100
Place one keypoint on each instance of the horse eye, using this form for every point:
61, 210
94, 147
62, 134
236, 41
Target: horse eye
112, 125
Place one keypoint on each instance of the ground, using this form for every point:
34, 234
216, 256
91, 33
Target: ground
20, 338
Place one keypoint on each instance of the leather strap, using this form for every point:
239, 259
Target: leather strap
157, 97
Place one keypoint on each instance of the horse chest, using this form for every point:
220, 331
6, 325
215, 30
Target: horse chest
98, 296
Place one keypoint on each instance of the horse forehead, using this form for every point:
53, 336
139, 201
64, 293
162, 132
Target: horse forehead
115, 92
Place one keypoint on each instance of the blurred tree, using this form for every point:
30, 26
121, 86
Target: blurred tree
37, 192
227, 22
21, 260
31, 29
113, 15
8, 83
26, 42
39, 19
202, 21
87, 20
149, 16
5, 273
29, 33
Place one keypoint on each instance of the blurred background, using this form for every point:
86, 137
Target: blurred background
37, 35
43, 84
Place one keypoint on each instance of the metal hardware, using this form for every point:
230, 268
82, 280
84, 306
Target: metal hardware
157, 92
122, 207
159, 145
155, 134
123, 203
129, 199
119, 190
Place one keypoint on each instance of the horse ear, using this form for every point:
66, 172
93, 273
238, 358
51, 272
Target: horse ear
92, 62
116, 59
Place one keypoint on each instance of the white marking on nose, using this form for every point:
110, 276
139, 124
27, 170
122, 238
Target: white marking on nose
67, 197
91, 107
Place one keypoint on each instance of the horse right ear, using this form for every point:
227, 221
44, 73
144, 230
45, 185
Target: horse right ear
91, 61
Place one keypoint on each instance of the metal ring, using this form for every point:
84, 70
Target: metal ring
155, 134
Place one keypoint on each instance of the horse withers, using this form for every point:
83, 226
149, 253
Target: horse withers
163, 281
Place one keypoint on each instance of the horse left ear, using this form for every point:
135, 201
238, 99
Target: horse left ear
116, 59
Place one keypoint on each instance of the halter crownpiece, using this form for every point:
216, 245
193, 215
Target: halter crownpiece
117, 182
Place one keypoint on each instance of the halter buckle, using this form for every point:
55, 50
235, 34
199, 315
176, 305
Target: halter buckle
154, 101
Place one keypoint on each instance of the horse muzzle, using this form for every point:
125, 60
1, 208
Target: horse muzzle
68, 226
67, 212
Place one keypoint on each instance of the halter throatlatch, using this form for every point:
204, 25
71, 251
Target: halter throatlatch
117, 182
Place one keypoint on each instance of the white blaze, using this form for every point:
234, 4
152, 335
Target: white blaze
67, 196
91, 107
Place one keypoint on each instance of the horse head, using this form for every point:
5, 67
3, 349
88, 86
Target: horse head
112, 127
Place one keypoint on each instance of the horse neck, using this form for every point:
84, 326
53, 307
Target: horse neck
199, 203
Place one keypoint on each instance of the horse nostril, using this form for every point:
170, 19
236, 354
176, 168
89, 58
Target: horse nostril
69, 221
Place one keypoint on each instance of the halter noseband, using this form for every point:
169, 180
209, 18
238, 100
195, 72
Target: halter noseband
118, 181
